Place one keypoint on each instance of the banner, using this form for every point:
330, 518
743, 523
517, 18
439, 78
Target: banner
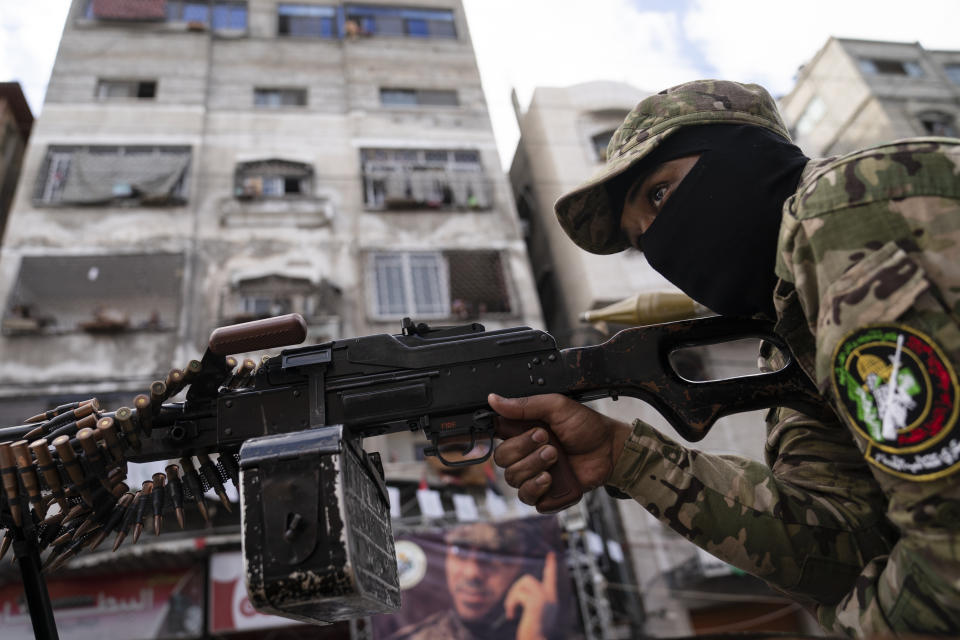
230, 608
166, 603
483, 580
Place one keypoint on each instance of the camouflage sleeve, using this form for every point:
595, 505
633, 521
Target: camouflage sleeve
792, 522
872, 247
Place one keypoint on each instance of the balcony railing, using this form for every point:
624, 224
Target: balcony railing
399, 190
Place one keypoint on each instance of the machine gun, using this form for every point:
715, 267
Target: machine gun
315, 515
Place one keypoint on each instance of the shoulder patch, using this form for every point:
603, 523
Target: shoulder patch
900, 393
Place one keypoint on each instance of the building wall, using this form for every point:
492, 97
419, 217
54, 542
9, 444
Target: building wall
205, 82
15, 124
555, 155
868, 92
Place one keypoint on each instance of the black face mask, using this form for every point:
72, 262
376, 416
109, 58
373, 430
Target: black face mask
716, 236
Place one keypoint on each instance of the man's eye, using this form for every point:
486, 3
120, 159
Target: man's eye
657, 195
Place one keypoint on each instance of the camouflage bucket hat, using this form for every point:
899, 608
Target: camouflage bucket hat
585, 213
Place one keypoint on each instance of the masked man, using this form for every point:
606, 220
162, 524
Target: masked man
857, 258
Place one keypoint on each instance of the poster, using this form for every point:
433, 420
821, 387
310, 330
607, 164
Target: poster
230, 608
474, 581
165, 603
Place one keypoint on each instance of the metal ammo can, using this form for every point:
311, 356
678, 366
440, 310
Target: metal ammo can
317, 540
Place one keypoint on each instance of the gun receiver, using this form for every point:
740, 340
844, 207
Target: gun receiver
437, 380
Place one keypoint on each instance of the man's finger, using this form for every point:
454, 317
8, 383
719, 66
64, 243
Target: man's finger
550, 576
530, 466
520, 594
527, 408
514, 449
534, 488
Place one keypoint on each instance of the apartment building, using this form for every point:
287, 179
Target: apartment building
856, 93
201, 163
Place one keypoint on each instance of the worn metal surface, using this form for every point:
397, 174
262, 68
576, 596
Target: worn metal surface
317, 540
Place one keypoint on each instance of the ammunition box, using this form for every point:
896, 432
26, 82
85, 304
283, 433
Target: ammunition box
317, 540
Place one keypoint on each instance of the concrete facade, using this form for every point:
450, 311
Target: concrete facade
238, 253
16, 121
857, 93
559, 147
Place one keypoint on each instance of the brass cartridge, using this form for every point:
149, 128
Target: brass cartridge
175, 491
174, 382
8, 472
72, 466
195, 486
107, 427
128, 517
213, 479
158, 393
28, 475
145, 492
48, 468
124, 417
159, 496
144, 413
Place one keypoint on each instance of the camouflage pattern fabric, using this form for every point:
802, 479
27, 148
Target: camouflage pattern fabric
871, 240
840, 514
585, 212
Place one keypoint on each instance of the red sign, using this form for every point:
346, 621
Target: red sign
230, 608
149, 604
130, 9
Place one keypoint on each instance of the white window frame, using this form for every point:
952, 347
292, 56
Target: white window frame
438, 303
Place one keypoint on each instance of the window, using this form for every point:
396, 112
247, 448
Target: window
306, 20
410, 284
418, 98
953, 72
97, 294
107, 89
272, 179
273, 294
113, 175
457, 284
368, 20
424, 179
230, 15
880, 66
600, 143
225, 14
812, 114
937, 123
279, 97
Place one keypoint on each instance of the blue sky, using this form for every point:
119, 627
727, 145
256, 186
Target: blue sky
651, 44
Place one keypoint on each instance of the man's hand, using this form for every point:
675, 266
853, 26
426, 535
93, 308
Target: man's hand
591, 441
537, 598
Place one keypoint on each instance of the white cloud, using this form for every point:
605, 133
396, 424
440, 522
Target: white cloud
523, 44
29, 35
530, 43
759, 41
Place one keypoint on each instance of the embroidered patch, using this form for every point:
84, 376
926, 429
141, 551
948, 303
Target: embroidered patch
900, 393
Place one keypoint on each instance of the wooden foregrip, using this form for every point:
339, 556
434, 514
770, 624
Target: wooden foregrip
258, 335
565, 489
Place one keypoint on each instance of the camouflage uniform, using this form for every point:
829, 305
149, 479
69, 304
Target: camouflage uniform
859, 515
